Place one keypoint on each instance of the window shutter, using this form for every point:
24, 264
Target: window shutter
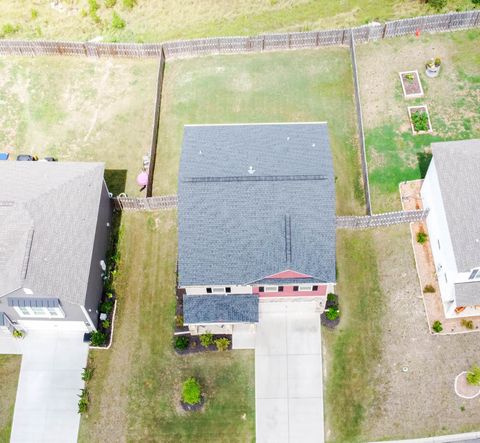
228, 289
295, 288
261, 288
314, 288
209, 290
280, 289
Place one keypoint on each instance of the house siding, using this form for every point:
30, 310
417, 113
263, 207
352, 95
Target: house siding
439, 235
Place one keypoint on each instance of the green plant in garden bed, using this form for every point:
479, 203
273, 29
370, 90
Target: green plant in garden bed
437, 326
222, 344
191, 391
107, 306
428, 289
422, 237
87, 374
473, 376
332, 313
419, 120
98, 338
181, 342
206, 339
410, 77
83, 402
467, 323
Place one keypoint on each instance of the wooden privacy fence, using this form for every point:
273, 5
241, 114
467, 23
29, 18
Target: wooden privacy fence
162, 202
266, 42
377, 220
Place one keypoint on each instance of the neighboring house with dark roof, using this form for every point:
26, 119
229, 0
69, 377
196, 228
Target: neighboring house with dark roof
256, 220
451, 193
54, 233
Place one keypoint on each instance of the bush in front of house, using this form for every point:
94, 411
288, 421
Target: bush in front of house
222, 344
332, 313
421, 237
107, 306
87, 374
437, 326
83, 402
473, 376
181, 342
98, 338
428, 289
467, 323
191, 391
206, 339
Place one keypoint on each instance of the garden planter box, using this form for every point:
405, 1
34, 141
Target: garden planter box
411, 88
195, 346
423, 109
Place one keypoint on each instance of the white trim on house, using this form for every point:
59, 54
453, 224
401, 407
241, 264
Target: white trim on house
257, 124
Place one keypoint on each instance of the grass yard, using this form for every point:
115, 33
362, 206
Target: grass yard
135, 387
383, 330
453, 100
150, 20
9, 370
79, 109
300, 86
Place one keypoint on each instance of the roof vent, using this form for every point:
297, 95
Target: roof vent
288, 138
200, 152
313, 145
251, 170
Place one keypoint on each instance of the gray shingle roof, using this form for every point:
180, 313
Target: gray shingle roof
236, 308
458, 169
48, 217
33, 302
237, 226
467, 294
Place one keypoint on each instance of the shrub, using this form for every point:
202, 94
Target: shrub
106, 307
476, 2
332, 313
179, 321
129, 4
92, 10
87, 374
117, 21
437, 326
421, 237
428, 289
332, 298
181, 342
191, 391
419, 121
410, 77
83, 402
8, 29
222, 344
98, 338
437, 61
206, 340
467, 323
105, 324
33, 14
473, 376
437, 4
110, 3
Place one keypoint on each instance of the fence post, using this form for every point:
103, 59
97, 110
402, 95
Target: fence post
156, 123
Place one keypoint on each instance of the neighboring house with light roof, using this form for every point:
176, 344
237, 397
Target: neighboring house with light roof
256, 221
451, 193
54, 233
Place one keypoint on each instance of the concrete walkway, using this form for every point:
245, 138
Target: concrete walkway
48, 387
288, 374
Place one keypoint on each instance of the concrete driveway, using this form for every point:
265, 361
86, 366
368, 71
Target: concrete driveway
50, 380
288, 374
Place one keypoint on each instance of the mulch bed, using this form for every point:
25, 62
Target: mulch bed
195, 346
191, 408
411, 87
323, 318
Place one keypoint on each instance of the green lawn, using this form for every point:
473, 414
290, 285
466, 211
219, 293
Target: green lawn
135, 388
150, 20
300, 86
9, 370
453, 99
79, 109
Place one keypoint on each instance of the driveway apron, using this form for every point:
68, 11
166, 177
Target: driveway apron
288, 374
46, 407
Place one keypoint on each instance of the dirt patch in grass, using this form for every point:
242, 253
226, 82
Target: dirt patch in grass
9, 371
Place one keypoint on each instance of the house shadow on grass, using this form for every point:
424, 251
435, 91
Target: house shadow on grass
116, 179
423, 159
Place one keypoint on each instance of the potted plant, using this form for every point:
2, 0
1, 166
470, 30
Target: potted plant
432, 67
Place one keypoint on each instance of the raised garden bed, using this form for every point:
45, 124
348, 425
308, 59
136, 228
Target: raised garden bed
419, 119
194, 345
411, 84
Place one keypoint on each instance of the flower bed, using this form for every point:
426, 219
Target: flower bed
419, 119
331, 307
411, 85
194, 344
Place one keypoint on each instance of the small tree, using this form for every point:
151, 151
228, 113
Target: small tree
206, 339
191, 391
222, 344
473, 376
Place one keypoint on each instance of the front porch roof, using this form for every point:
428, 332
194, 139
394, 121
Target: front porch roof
238, 308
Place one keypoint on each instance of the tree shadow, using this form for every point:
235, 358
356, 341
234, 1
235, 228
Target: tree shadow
115, 180
423, 159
